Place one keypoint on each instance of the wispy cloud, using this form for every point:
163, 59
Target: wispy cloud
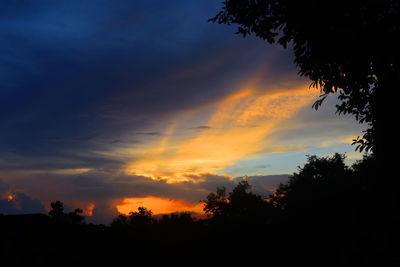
149, 133
227, 139
115, 102
201, 127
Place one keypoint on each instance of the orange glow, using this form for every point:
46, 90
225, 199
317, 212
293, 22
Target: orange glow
10, 197
158, 205
89, 210
238, 128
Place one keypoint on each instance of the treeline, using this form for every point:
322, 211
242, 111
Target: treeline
327, 214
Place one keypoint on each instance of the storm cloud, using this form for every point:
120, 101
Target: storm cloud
108, 100
14, 202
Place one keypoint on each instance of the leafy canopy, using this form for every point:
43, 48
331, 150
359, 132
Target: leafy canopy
57, 214
240, 205
350, 47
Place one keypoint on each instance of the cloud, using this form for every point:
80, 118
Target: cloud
107, 102
179, 158
44, 160
14, 202
150, 133
201, 127
159, 205
80, 82
100, 193
8, 207
264, 185
309, 129
118, 141
4, 187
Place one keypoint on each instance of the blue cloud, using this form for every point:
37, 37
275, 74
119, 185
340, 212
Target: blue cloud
78, 75
19, 203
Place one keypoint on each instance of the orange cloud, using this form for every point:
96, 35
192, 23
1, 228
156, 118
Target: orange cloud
89, 210
237, 128
158, 205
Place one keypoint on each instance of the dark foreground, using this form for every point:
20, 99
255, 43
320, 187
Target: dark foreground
34, 240
327, 215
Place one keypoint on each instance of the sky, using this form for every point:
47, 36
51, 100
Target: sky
111, 105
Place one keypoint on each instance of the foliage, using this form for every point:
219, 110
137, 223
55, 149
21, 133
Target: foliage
58, 215
176, 219
57, 209
320, 187
350, 47
240, 205
216, 203
325, 215
120, 221
141, 217
136, 218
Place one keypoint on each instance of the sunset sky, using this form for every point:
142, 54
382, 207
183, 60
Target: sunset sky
111, 105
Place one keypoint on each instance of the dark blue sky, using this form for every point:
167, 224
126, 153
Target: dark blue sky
75, 72
83, 82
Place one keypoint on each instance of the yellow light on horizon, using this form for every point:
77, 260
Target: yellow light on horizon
237, 128
158, 205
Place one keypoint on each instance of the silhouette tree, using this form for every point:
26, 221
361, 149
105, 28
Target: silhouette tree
321, 189
176, 219
350, 47
57, 210
120, 221
216, 203
328, 204
75, 216
141, 217
344, 47
58, 215
241, 205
